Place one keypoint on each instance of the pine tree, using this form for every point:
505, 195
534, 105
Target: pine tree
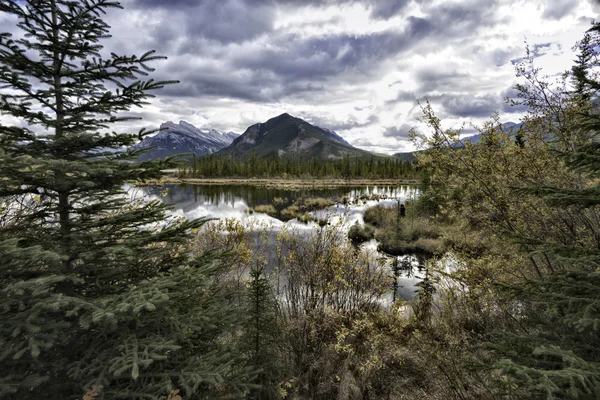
98, 292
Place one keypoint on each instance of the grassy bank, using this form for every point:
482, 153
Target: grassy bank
284, 183
400, 234
285, 210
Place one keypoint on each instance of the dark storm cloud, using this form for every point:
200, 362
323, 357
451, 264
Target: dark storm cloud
225, 21
459, 20
403, 95
398, 132
292, 64
379, 8
318, 58
300, 60
168, 3
480, 106
191, 3
221, 83
463, 104
229, 21
557, 9
385, 9
433, 78
470, 106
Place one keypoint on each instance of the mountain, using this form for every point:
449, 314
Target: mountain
183, 138
291, 137
409, 156
335, 135
510, 127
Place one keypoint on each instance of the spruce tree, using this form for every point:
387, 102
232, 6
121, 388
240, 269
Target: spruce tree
261, 333
555, 351
98, 295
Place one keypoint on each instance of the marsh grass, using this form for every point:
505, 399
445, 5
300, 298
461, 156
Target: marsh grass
403, 235
282, 183
361, 233
299, 209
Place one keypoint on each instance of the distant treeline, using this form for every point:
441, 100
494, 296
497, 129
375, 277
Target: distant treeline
273, 166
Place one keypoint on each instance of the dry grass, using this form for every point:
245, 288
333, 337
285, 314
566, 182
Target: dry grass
282, 183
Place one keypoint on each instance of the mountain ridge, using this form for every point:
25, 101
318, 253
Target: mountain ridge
289, 136
181, 138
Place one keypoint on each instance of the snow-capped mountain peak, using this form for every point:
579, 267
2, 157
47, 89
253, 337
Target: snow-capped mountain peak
183, 137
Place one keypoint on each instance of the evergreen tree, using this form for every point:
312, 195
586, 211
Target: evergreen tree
274, 166
98, 292
555, 352
260, 335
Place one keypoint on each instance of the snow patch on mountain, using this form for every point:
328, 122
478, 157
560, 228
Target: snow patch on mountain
184, 138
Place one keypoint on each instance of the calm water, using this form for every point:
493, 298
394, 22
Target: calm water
235, 201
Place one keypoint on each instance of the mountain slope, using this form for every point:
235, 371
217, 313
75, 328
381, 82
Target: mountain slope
291, 137
409, 156
183, 138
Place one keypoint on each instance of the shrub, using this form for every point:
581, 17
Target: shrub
379, 215
361, 233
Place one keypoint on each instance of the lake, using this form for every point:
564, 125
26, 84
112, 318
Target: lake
238, 201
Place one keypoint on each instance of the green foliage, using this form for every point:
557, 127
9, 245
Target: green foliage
99, 293
557, 353
562, 359
530, 281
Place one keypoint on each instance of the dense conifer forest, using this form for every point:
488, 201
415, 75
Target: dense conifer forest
107, 296
277, 167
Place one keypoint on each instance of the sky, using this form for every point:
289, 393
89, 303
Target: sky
358, 67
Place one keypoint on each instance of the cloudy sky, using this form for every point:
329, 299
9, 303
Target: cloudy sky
355, 66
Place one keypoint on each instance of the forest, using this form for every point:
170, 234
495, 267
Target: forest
275, 167
104, 296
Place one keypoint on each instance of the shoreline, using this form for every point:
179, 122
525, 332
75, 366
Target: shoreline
281, 182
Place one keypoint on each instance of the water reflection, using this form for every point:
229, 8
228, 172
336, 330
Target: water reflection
187, 197
235, 201
408, 271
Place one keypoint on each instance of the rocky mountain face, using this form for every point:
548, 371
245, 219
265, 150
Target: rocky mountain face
291, 137
184, 138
